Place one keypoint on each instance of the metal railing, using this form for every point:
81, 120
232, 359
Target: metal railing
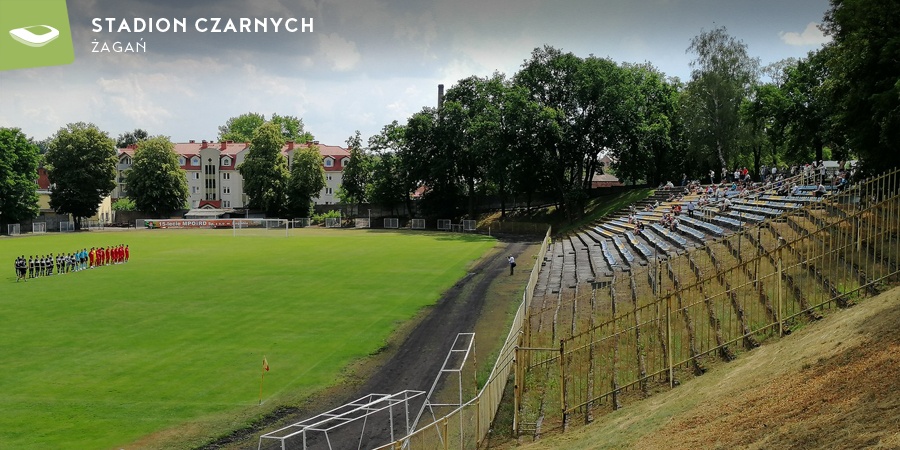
466, 426
653, 325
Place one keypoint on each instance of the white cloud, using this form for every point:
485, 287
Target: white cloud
812, 35
339, 52
128, 93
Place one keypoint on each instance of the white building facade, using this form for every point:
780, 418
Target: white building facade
212, 175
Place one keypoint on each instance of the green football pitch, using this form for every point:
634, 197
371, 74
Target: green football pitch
175, 339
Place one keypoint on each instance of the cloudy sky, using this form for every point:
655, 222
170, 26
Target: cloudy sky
366, 62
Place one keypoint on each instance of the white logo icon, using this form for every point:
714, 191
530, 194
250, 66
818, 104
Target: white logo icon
35, 35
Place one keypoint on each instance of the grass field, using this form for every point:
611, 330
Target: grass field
174, 340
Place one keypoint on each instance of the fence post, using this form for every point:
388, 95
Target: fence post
669, 338
562, 383
780, 312
517, 390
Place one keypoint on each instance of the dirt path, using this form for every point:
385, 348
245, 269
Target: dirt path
411, 364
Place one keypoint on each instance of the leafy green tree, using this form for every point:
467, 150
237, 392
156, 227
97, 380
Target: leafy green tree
357, 173
18, 171
864, 80
392, 168
131, 137
81, 162
265, 170
808, 119
307, 179
292, 128
723, 75
124, 204
156, 182
648, 144
241, 128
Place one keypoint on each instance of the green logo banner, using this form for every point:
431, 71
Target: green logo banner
34, 33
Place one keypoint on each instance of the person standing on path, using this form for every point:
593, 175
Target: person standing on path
512, 265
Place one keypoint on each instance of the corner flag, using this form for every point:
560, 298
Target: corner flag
265, 364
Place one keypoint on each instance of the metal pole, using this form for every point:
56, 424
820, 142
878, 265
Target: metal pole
669, 340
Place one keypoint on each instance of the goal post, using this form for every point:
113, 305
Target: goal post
260, 227
361, 222
13, 229
392, 223
66, 226
443, 224
468, 225
39, 227
302, 222
417, 224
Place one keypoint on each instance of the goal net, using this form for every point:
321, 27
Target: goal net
13, 229
443, 224
66, 226
332, 222
417, 224
392, 222
39, 227
361, 223
301, 222
260, 227
468, 225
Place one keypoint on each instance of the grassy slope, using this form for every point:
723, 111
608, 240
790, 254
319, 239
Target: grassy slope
835, 384
100, 358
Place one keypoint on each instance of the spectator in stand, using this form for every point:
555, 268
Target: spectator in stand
726, 205
820, 190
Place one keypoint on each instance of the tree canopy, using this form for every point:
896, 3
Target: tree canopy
242, 127
156, 182
19, 159
307, 179
81, 162
265, 170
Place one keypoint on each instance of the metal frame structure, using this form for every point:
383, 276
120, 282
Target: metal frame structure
362, 222
39, 227
417, 224
14, 229
392, 223
468, 225
328, 423
444, 224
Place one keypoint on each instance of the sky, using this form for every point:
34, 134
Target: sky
365, 63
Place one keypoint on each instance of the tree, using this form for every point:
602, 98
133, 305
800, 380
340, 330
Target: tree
392, 168
131, 138
357, 173
808, 118
18, 171
156, 182
307, 179
81, 162
265, 170
722, 77
241, 128
864, 80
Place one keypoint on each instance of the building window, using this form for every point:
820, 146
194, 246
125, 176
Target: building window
181, 161
226, 203
226, 190
196, 175
328, 191
195, 161
329, 162
226, 161
344, 162
195, 189
226, 175
126, 160
328, 177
